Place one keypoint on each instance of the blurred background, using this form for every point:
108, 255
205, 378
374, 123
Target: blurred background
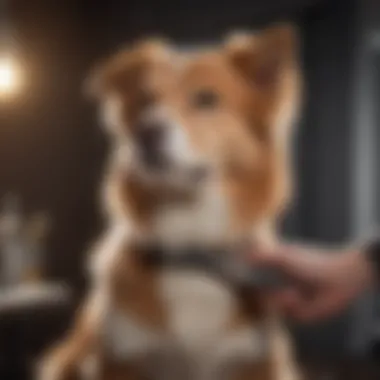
52, 150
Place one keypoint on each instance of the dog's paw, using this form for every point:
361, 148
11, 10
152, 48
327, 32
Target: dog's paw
51, 369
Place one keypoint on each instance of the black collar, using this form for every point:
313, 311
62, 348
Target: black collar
229, 265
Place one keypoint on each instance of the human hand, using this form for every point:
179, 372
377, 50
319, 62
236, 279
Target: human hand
323, 282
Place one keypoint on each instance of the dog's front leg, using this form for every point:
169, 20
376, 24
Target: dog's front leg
66, 361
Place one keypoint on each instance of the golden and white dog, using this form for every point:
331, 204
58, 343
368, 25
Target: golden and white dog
199, 157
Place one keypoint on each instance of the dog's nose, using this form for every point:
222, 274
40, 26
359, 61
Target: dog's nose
150, 139
150, 135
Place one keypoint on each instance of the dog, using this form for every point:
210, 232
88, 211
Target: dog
200, 158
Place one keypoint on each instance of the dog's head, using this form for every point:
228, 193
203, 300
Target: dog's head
182, 118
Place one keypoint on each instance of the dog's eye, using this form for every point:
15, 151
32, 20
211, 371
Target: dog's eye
205, 99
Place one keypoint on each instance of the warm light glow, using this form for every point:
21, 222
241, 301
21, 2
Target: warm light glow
9, 77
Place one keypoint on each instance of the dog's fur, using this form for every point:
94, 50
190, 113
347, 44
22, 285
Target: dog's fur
227, 114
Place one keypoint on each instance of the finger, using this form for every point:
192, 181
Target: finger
319, 308
285, 300
260, 255
300, 263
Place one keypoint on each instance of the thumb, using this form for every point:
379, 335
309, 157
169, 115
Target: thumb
295, 261
321, 307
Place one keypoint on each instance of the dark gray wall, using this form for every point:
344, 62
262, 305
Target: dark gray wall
365, 159
330, 33
323, 211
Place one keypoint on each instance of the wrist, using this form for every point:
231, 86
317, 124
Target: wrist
358, 266
371, 252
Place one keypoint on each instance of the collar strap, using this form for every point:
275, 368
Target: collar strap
228, 265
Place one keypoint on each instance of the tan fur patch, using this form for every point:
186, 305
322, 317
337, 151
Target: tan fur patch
134, 289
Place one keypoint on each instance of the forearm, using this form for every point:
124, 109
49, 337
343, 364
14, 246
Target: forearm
358, 265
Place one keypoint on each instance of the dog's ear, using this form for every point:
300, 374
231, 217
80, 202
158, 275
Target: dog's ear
263, 57
123, 70
112, 75
268, 61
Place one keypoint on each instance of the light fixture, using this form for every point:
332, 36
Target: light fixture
10, 76
10, 71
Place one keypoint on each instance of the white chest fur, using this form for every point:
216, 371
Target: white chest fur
204, 221
199, 307
199, 310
